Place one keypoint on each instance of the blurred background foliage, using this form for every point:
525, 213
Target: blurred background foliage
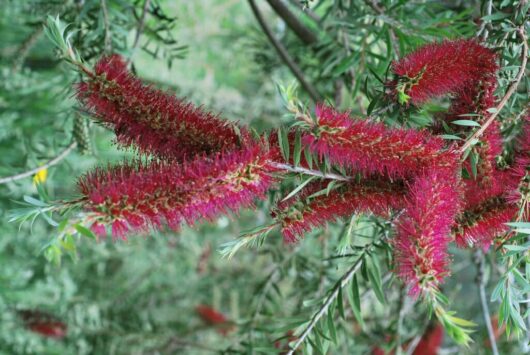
140, 296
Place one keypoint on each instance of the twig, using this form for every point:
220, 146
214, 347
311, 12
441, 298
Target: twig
509, 93
22, 52
401, 317
282, 52
298, 169
108, 41
345, 279
393, 37
484, 26
307, 11
34, 171
481, 284
139, 29
305, 34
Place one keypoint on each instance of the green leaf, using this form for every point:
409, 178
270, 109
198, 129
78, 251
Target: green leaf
84, 231
283, 141
298, 188
467, 123
34, 202
340, 303
297, 153
450, 136
375, 279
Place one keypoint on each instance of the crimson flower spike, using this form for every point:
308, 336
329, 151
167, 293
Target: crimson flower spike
133, 197
304, 213
519, 193
441, 68
482, 224
154, 121
372, 147
423, 231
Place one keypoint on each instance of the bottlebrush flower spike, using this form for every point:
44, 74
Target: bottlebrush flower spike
43, 323
154, 121
370, 196
519, 192
133, 197
423, 231
212, 317
476, 192
440, 68
374, 148
484, 223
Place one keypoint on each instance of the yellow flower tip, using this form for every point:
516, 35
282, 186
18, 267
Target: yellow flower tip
40, 177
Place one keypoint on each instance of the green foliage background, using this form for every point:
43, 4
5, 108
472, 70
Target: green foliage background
140, 296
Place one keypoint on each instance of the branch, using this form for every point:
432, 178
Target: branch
284, 55
307, 11
509, 92
345, 279
108, 41
481, 284
381, 11
298, 169
139, 29
22, 52
305, 34
50, 163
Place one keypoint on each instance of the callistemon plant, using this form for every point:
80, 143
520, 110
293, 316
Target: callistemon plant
193, 166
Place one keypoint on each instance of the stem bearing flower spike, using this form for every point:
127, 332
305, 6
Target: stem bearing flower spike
133, 197
154, 121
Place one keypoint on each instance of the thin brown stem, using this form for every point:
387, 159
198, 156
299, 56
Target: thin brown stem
393, 38
345, 279
504, 100
305, 34
139, 29
108, 40
481, 284
284, 55
34, 171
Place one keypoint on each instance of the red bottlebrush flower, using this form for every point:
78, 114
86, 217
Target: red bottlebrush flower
440, 68
477, 191
214, 318
431, 341
374, 148
299, 216
133, 197
483, 223
519, 192
154, 121
423, 230
43, 323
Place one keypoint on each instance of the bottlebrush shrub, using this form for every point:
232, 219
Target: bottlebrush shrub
134, 196
373, 148
423, 231
152, 120
441, 68
519, 192
302, 214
